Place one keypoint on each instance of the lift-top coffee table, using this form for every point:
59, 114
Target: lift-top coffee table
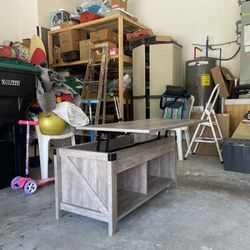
106, 180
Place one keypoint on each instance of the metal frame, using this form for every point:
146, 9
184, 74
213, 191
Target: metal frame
210, 121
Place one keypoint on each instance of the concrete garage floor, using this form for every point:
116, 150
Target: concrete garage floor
210, 209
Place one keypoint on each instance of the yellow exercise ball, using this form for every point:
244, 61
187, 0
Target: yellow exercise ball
51, 124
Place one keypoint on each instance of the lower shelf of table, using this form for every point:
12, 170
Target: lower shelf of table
128, 201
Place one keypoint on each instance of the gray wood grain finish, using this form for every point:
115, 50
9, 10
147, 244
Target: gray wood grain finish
134, 179
122, 141
112, 201
134, 156
157, 167
58, 184
90, 185
149, 126
129, 201
82, 184
83, 211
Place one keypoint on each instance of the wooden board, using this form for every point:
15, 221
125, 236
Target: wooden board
237, 110
242, 131
149, 126
128, 201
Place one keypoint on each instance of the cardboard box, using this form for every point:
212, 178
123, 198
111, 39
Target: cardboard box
121, 12
58, 17
236, 108
209, 148
69, 23
57, 55
163, 38
84, 49
85, 46
69, 40
26, 42
103, 36
119, 4
99, 52
243, 131
224, 77
63, 25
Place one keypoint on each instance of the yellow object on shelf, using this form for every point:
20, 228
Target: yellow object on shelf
51, 124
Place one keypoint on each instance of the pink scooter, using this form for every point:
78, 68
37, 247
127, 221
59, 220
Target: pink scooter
29, 185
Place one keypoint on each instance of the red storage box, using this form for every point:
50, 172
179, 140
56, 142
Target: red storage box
88, 16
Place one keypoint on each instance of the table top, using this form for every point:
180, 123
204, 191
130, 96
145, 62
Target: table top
147, 126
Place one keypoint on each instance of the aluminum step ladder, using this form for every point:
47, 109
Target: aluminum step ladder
210, 121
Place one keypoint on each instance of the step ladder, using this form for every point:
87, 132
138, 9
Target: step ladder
209, 121
94, 90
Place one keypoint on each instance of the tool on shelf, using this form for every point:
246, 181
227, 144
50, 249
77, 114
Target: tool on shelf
117, 108
94, 90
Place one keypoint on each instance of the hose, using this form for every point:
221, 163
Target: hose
227, 59
218, 44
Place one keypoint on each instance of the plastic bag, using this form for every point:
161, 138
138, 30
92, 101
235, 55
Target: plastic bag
72, 114
127, 82
86, 4
94, 6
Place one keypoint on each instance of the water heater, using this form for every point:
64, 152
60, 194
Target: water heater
198, 79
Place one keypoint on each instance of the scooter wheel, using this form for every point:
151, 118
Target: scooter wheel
14, 184
30, 187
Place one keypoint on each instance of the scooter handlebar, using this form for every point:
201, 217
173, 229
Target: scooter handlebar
23, 122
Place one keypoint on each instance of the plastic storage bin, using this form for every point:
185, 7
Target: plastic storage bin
71, 56
236, 155
17, 90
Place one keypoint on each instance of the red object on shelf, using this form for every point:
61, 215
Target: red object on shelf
6, 51
88, 16
138, 33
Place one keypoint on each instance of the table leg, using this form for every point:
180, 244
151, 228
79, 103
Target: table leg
58, 184
112, 204
99, 139
179, 145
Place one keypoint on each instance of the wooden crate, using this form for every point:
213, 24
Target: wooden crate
108, 185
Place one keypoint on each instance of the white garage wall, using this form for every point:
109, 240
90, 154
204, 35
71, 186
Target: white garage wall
45, 7
190, 22
18, 19
186, 21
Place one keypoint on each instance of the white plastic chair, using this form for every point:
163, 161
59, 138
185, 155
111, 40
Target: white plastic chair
180, 131
44, 143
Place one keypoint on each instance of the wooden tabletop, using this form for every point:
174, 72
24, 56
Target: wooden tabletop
148, 126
